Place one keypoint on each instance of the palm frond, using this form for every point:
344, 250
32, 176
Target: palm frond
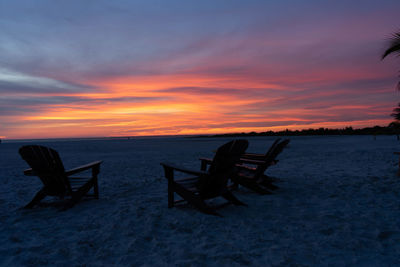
394, 45
396, 112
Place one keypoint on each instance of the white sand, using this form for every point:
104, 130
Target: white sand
338, 204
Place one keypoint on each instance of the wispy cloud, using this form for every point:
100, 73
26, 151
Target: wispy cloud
12, 81
178, 67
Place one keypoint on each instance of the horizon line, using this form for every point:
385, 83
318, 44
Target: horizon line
178, 135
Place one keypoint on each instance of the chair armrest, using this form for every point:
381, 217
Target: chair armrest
29, 172
204, 163
206, 160
253, 155
246, 168
169, 166
252, 161
258, 162
83, 167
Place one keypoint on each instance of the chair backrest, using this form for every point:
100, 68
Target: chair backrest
272, 147
271, 155
222, 167
47, 165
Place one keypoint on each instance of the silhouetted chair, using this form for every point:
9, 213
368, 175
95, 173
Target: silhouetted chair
47, 165
207, 184
254, 177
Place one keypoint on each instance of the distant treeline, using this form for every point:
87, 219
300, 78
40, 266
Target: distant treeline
377, 130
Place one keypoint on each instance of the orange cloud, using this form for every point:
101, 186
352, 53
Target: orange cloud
188, 104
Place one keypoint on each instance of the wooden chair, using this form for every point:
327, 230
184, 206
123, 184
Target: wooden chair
261, 157
204, 185
253, 176
47, 165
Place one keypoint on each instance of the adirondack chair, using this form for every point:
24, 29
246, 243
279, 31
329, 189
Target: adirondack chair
261, 157
47, 165
204, 185
254, 177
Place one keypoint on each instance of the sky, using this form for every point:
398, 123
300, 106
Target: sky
130, 68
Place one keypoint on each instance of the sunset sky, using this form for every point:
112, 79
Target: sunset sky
127, 68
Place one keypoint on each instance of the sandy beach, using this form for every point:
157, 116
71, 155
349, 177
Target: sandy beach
338, 204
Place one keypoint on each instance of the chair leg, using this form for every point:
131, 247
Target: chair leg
95, 187
171, 200
202, 206
266, 181
194, 200
95, 172
169, 174
231, 198
269, 185
37, 198
234, 186
252, 185
78, 194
